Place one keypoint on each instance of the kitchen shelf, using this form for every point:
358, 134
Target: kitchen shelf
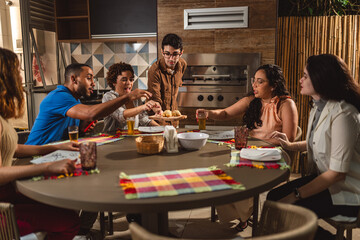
72, 20
73, 17
70, 29
71, 8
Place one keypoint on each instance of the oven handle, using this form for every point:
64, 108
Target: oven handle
217, 89
211, 75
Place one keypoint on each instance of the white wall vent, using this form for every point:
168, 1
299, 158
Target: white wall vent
212, 18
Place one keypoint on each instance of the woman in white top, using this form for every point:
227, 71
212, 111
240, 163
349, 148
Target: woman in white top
120, 78
332, 142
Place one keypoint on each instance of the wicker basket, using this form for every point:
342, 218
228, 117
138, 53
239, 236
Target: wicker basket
149, 144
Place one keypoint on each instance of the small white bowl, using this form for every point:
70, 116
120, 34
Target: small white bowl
192, 140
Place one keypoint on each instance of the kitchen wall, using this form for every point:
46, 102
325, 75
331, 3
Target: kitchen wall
258, 37
101, 55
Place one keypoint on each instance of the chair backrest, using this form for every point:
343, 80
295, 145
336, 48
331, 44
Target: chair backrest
280, 221
298, 134
139, 233
8, 226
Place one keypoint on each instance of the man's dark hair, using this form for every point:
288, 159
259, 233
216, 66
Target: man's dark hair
173, 40
74, 68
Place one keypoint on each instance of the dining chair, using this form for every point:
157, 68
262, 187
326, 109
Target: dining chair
298, 133
8, 226
278, 221
342, 226
281, 221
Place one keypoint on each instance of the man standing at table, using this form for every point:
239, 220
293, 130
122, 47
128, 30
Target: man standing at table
165, 75
61, 108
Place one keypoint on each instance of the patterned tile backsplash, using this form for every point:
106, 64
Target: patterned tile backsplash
101, 55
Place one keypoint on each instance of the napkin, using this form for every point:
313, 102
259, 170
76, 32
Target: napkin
261, 154
171, 141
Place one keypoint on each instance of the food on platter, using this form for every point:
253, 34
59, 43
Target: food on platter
167, 113
176, 113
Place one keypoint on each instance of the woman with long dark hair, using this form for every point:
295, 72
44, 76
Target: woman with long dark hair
31, 216
332, 187
266, 109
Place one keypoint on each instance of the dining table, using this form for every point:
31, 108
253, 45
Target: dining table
102, 193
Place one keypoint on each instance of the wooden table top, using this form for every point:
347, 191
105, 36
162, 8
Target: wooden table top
101, 192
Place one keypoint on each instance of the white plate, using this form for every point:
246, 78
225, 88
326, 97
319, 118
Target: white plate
220, 135
261, 154
152, 129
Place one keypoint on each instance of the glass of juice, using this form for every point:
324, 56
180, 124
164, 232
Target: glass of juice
201, 120
88, 155
241, 134
130, 122
73, 133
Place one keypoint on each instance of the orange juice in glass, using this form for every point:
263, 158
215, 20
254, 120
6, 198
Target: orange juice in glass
202, 120
130, 122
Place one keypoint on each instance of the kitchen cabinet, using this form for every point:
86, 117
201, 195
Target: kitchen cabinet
91, 20
123, 19
72, 20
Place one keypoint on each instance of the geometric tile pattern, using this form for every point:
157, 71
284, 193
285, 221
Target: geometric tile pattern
101, 55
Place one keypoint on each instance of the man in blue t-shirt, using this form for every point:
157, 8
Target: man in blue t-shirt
61, 108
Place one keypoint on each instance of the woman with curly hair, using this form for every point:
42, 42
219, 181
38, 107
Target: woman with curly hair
31, 216
120, 78
266, 109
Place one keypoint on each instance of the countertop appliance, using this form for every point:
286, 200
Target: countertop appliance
217, 79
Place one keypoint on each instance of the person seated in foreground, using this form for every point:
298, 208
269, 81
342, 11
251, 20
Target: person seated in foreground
31, 216
120, 78
266, 109
61, 108
332, 143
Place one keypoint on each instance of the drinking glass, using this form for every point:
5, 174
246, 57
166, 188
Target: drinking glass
241, 134
88, 155
201, 120
73, 133
130, 122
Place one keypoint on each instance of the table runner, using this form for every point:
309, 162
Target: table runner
235, 160
176, 182
77, 172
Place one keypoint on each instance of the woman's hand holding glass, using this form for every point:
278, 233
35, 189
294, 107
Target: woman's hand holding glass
202, 112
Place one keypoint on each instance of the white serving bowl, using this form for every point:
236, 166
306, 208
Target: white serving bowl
192, 140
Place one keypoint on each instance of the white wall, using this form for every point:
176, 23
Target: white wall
5, 26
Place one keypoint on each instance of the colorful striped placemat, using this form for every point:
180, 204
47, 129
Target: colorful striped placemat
235, 160
177, 182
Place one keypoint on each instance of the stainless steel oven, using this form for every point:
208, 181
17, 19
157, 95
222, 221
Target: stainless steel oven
217, 79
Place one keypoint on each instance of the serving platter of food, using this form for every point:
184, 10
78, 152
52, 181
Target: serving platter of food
169, 116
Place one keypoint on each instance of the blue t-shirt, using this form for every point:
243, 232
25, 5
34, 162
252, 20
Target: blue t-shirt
51, 124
